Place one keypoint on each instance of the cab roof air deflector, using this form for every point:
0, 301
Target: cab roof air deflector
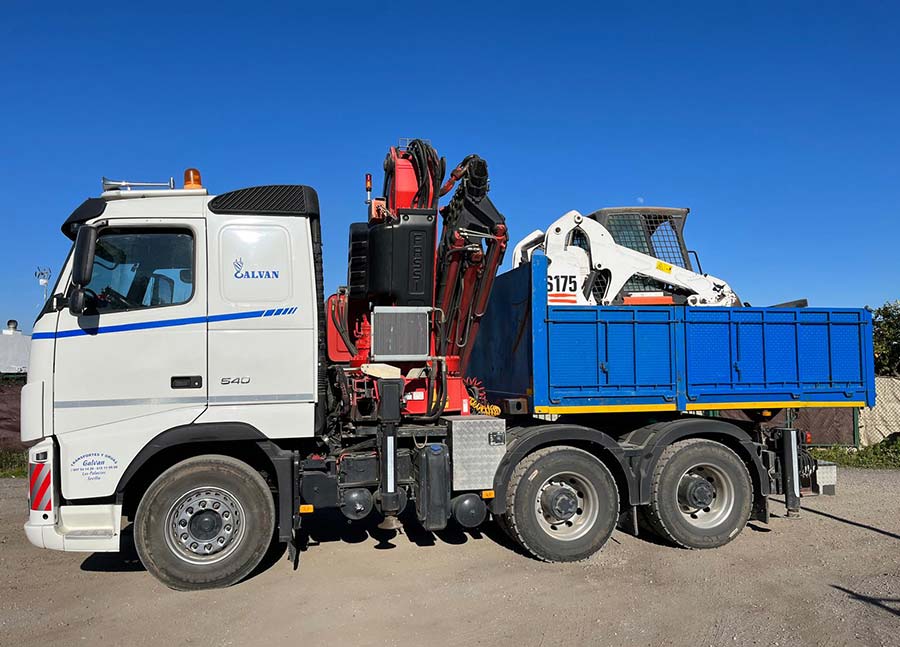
87, 210
270, 200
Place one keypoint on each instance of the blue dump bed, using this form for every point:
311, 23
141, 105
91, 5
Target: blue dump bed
582, 359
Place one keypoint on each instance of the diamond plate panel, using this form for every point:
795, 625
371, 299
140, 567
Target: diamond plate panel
477, 444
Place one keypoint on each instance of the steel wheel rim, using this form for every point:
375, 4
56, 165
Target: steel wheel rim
719, 509
204, 525
586, 512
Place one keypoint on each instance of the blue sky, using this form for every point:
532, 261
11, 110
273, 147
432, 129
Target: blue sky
777, 124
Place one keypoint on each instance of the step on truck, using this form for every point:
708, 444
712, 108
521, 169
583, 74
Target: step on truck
189, 375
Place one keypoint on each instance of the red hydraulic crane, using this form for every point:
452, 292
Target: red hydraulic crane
431, 293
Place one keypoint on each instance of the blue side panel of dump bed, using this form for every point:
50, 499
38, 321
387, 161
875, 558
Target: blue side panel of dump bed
666, 358
618, 356
795, 356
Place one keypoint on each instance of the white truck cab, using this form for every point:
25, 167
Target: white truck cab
195, 310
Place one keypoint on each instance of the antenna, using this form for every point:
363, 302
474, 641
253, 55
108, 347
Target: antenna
42, 274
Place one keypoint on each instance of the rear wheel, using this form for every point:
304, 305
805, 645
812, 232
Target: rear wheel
701, 494
562, 504
204, 523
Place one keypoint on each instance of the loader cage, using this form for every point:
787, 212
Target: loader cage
655, 231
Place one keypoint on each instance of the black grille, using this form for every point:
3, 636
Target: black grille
272, 200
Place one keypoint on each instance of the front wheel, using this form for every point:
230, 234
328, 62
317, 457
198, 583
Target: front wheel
204, 523
562, 504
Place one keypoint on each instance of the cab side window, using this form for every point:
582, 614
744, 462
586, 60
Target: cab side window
141, 268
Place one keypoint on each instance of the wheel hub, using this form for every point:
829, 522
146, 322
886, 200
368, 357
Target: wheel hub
706, 495
567, 506
696, 492
204, 525
560, 502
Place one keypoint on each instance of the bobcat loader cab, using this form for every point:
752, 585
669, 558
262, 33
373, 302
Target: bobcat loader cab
174, 308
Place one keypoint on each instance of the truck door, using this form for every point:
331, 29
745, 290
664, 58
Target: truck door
134, 364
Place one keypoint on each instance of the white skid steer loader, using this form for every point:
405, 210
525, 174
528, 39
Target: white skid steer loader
623, 256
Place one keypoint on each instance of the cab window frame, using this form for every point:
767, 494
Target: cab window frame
167, 228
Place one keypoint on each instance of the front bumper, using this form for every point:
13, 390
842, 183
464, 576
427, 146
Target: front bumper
78, 528
44, 536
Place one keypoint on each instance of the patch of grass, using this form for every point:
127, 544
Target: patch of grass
885, 454
13, 463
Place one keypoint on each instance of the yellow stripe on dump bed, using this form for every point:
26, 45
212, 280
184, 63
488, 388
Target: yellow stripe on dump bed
714, 406
705, 406
609, 408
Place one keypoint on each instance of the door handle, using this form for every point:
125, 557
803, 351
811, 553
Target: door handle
187, 382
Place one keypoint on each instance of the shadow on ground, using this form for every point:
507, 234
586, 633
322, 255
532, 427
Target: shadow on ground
125, 561
891, 605
849, 522
324, 527
331, 526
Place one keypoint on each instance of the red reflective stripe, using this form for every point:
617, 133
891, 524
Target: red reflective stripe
40, 495
34, 475
49, 502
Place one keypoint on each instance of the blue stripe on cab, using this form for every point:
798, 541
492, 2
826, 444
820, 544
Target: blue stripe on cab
236, 315
162, 323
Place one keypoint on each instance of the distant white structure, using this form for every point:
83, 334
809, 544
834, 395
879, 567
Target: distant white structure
14, 348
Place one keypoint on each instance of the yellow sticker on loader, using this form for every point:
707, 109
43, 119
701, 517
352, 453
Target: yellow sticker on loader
663, 267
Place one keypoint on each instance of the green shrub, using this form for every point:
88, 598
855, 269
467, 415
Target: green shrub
13, 463
885, 454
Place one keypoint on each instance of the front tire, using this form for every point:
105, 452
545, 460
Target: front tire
700, 496
562, 504
204, 523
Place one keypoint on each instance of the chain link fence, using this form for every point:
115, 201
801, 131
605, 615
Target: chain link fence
884, 419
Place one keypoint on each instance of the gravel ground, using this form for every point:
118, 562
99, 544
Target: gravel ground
831, 577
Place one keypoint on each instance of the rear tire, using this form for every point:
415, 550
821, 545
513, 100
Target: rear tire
204, 523
700, 496
562, 504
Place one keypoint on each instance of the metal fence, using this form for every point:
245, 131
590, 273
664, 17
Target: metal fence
884, 419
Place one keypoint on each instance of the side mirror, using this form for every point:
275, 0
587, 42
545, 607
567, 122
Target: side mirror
82, 267
83, 256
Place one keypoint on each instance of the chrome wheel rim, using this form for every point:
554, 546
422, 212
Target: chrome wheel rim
567, 506
705, 496
205, 525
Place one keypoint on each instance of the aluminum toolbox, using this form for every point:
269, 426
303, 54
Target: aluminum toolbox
579, 359
477, 445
